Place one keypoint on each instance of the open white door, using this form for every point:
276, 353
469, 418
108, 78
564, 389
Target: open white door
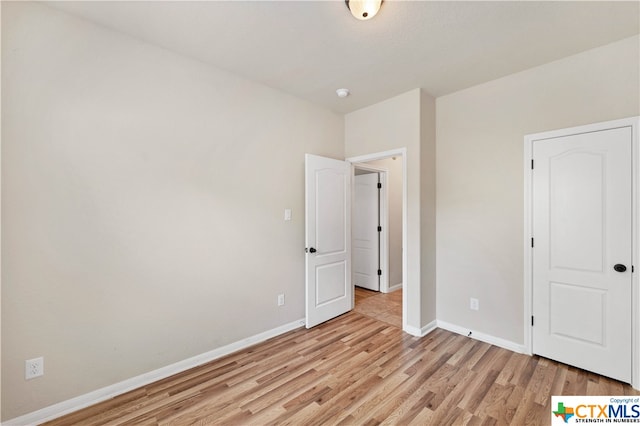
328, 290
582, 224
366, 234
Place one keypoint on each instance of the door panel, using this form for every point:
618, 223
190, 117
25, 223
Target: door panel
582, 227
585, 321
328, 288
332, 279
577, 192
366, 238
330, 207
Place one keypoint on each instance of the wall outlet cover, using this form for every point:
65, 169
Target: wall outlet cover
474, 304
33, 368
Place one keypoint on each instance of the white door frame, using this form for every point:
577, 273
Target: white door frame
634, 123
384, 219
400, 152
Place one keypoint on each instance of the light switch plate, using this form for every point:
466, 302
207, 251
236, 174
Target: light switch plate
287, 214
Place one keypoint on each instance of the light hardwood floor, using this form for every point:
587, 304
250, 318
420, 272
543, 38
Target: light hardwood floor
385, 307
356, 370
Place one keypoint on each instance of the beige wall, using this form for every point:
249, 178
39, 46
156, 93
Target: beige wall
393, 124
137, 185
428, 207
480, 134
142, 205
406, 121
394, 190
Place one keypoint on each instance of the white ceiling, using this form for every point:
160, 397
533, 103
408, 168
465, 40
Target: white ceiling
311, 48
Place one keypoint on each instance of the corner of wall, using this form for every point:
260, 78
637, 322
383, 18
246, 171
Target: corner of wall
428, 206
390, 125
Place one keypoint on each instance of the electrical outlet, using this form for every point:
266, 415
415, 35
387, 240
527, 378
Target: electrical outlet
33, 368
474, 304
280, 299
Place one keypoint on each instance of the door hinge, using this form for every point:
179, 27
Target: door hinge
379, 271
379, 228
633, 269
379, 185
531, 164
531, 320
531, 241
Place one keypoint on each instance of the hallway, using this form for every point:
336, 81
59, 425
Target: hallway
385, 307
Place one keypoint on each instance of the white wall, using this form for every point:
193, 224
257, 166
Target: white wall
394, 190
480, 174
142, 205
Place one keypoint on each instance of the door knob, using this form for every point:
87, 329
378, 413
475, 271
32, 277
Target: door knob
312, 250
620, 267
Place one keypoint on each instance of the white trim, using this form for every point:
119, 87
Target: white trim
487, 338
378, 155
421, 332
400, 152
369, 168
528, 232
395, 287
635, 281
634, 123
383, 176
91, 398
429, 327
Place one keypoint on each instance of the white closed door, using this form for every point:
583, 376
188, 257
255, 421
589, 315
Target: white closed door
366, 237
328, 289
582, 250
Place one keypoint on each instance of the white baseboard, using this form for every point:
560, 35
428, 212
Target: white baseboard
414, 331
506, 344
429, 328
394, 288
421, 332
91, 398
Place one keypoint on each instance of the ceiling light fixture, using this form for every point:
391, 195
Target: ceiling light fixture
363, 9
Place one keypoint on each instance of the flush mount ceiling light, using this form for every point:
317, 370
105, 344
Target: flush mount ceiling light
363, 9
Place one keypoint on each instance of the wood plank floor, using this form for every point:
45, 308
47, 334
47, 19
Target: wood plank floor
356, 370
385, 307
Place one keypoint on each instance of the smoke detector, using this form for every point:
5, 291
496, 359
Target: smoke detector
342, 93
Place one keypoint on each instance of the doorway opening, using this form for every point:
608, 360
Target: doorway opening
370, 229
378, 225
